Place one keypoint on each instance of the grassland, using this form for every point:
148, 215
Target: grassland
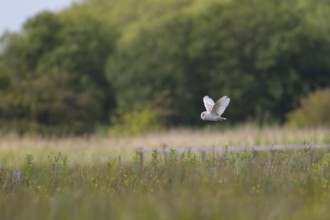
101, 177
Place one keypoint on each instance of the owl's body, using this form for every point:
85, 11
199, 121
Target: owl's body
214, 110
211, 117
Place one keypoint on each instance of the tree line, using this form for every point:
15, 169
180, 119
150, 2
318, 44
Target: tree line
100, 63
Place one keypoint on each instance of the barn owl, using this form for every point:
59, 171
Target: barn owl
214, 110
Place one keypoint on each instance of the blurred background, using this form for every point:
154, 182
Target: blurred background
132, 66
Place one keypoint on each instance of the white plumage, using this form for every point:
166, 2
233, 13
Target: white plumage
214, 110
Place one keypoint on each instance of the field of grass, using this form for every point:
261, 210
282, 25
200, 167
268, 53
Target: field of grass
101, 177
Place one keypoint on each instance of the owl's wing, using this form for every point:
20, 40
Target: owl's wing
209, 103
221, 105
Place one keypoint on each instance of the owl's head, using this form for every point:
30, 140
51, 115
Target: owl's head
203, 115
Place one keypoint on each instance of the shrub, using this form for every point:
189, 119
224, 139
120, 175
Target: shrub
136, 122
313, 110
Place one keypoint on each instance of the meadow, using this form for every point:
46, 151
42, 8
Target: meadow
100, 177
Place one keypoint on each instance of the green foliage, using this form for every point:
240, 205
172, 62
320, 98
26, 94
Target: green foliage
28, 166
256, 52
136, 122
191, 158
50, 105
58, 86
155, 157
313, 110
154, 73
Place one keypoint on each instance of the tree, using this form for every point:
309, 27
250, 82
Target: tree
259, 53
153, 70
56, 68
163, 57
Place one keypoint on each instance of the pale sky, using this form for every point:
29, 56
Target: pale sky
13, 13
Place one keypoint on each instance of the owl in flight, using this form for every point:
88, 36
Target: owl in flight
214, 110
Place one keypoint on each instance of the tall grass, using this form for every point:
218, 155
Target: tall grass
89, 150
271, 185
101, 177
